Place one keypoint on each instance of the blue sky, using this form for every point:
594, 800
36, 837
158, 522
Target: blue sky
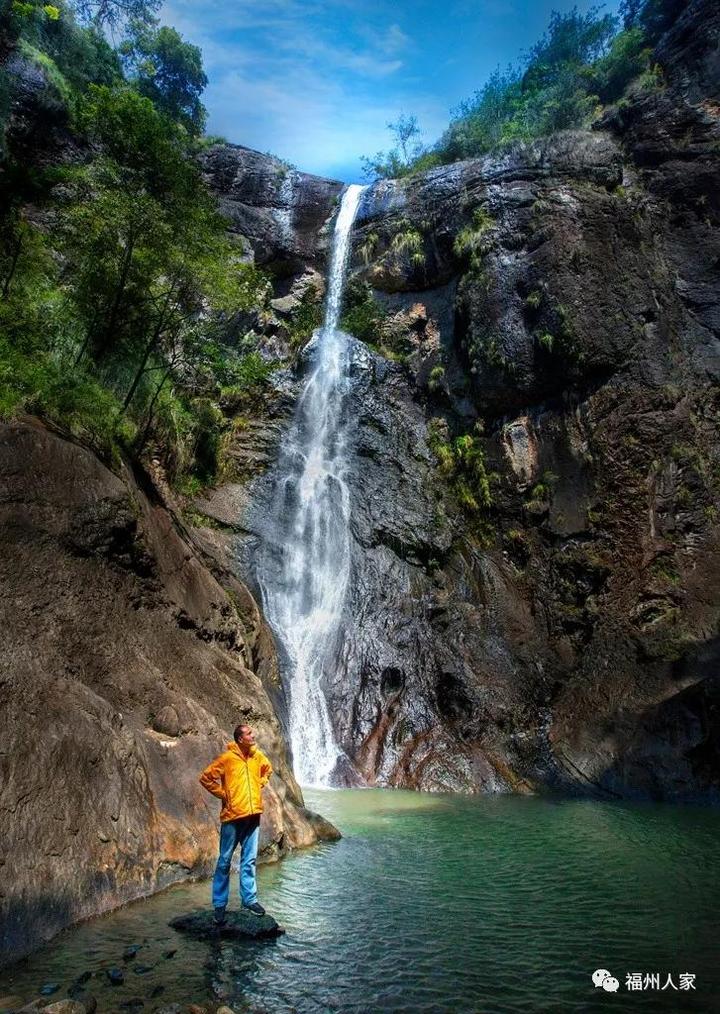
317, 82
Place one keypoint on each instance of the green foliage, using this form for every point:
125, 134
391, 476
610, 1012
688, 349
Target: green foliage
54, 78
652, 79
627, 58
114, 14
437, 375
33, 380
652, 17
534, 299
305, 318
478, 124
581, 62
401, 159
462, 462
168, 71
362, 315
409, 242
115, 314
472, 242
368, 247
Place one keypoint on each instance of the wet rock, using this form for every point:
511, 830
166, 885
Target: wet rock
142, 969
170, 954
49, 988
116, 976
202, 926
130, 952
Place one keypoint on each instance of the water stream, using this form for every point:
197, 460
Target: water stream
303, 568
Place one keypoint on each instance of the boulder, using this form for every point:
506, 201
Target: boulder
238, 925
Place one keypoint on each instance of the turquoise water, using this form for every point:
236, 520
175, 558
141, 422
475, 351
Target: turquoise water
439, 904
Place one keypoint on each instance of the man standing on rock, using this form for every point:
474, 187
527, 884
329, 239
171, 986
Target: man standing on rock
237, 777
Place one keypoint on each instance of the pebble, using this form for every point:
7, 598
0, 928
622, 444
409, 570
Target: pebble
170, 954
142, 969
115, 975
130, 952
49, 988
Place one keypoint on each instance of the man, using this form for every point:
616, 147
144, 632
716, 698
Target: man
237, 777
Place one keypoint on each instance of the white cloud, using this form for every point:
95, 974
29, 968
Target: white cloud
286, 77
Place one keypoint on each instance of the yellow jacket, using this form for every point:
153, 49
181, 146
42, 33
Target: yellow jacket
238, 780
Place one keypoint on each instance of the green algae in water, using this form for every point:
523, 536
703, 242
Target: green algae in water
436, 903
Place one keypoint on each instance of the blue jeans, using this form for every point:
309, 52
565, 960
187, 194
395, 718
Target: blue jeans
244, 832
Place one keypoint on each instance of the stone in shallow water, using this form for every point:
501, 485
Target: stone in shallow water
115, 975
49, 988
202, 926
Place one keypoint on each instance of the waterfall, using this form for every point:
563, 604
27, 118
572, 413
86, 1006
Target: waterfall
303, 571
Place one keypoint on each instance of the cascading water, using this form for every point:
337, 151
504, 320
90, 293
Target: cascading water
303, 573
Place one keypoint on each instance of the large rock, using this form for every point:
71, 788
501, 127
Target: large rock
281, 212
129, 656
237, 926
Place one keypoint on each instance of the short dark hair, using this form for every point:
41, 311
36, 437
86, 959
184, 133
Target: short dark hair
238, 731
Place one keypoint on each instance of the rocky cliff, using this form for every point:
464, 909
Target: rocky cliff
129, 655
535, 591
538, 604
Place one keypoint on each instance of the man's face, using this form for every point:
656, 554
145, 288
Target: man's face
247, 737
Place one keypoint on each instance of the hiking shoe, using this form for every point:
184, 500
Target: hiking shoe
219, 916
255, 908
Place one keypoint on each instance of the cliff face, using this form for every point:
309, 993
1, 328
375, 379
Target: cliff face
564, 296
129, 656
557, 305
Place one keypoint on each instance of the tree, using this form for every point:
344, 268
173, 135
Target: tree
115, 14
653, 17
399, 161
479, 123
168, 71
